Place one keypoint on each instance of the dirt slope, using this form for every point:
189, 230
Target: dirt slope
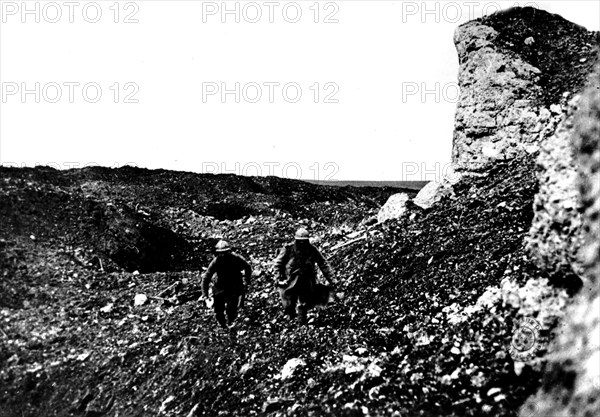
74, 344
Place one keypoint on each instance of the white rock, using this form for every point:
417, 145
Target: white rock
290, 366
499, 398
361, 350
351, 364
533, 148
545, 114
394, 208
140, 299
429, 195
107, 308
490, 151
245, 368
374, 370
519, 368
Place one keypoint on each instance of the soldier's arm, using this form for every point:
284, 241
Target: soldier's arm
325, 266
207, 276
247, 270
280, 262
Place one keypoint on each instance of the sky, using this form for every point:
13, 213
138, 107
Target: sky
326, 90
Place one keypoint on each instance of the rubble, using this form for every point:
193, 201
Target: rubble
392, 275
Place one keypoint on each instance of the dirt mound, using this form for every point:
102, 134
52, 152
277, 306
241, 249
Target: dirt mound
138, 219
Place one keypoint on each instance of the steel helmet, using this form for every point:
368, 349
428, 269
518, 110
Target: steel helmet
222, 246
301, 234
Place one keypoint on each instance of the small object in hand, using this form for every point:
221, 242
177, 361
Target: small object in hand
281, 283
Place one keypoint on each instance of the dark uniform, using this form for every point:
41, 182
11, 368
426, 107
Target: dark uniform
229, 287
297, 267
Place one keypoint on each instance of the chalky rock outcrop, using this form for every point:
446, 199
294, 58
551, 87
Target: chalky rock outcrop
496, 118
394, 208
571, 384
555, 235
517, 72
522, 73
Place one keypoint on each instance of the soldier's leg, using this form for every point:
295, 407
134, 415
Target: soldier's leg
232, 307
219, 307
303, 307
289, 299
302, 314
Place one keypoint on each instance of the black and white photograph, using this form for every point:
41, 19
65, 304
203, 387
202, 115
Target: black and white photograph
353, 208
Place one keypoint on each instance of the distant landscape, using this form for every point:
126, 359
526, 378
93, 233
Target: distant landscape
411, 185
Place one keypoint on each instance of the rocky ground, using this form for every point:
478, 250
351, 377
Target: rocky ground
406, 335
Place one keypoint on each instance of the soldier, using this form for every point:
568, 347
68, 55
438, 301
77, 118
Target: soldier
298, 287
229, 288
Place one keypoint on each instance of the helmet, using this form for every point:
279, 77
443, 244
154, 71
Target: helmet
301, 234
222, 246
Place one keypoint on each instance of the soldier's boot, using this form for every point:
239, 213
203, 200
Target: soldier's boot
221, 320
291, 311
302, 316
